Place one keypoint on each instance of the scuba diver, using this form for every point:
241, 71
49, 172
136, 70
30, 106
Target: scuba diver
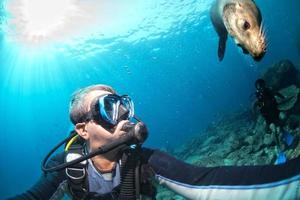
268, 107
266, 102
104, 159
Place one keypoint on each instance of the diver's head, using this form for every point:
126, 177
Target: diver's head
260, 84
243, 22
99, 114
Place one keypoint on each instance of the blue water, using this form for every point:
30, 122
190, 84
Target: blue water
162, 53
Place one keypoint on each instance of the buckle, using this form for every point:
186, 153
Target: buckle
76, 171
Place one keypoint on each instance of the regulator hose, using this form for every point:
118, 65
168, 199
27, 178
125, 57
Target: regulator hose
130, 185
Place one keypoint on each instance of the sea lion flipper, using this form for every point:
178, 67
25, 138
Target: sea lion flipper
222, 47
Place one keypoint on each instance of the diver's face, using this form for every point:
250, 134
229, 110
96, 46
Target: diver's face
94, 133
260, 87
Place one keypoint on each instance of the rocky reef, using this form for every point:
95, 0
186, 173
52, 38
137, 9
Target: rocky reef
243, 138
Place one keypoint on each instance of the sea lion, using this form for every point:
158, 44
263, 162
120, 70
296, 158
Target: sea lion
242, 20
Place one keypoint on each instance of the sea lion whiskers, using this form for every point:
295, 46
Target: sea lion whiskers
261, 28
264, 32
262, 41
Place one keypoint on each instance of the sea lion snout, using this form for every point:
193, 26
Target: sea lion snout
259, 56
259, 53
255, 43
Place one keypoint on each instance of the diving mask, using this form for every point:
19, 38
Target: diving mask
110, 109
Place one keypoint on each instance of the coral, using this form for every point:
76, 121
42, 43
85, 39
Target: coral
290, 98
282, 75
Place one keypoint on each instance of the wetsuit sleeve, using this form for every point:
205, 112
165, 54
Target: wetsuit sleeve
276, 182
46, 185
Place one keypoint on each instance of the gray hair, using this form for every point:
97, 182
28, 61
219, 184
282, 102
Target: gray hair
77, 109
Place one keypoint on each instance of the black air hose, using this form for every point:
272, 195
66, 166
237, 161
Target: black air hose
129, 182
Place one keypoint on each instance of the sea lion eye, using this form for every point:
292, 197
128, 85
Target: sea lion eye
246, 25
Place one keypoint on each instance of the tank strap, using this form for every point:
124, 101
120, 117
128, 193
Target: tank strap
76, 174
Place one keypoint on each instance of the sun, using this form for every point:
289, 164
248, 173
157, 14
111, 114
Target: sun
43, 16
39, 19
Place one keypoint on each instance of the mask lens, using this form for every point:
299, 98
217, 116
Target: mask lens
108, 109
127, 103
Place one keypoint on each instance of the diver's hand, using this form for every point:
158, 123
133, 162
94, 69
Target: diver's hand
137, 132
120, 131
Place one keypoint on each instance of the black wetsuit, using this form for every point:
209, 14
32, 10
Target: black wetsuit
276, 182
268, 105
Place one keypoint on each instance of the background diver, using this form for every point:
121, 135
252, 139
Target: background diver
267, 104
104, 159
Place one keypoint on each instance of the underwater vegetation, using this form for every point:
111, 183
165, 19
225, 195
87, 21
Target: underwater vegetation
242, 138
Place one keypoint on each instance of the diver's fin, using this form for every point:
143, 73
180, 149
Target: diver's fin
281, 158
222, 47
288, 138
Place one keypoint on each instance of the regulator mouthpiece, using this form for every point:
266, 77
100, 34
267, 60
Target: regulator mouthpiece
137, 132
